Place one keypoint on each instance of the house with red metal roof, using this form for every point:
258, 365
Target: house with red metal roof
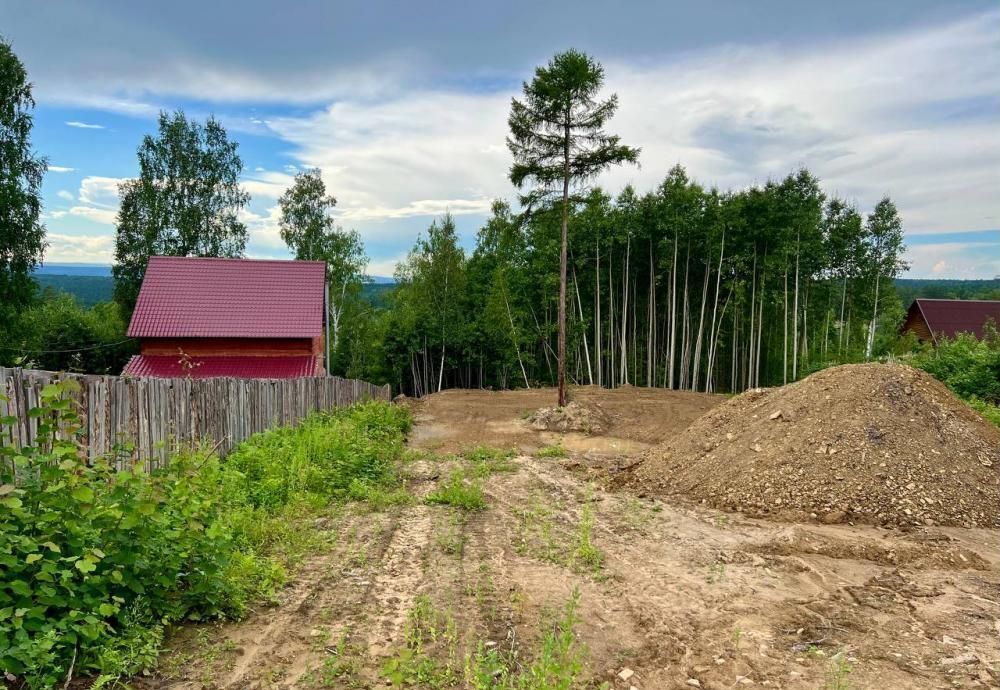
931, 319
242, 318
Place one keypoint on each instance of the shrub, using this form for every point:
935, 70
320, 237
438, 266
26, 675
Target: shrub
969, 366
97, 556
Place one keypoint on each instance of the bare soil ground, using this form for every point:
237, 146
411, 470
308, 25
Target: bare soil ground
672, 594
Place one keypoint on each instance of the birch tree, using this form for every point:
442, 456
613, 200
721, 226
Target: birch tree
308, 228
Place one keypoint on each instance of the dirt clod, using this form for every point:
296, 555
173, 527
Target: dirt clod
881, 444
589, 418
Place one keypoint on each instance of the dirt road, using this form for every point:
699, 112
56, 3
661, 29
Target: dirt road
671, 594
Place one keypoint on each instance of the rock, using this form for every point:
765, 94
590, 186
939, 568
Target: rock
694, 682
967, 658
835, 517
626, 673
775, 415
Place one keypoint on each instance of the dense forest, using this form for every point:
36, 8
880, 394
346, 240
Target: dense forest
681, 286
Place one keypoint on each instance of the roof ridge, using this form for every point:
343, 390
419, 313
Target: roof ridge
235, 259
954, 299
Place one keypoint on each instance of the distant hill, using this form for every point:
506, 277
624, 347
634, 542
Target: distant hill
92, 283
87, 289
74, 270
909, 289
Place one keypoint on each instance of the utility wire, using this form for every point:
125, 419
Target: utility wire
54, 352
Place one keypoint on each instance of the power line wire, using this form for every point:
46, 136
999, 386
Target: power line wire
55, 352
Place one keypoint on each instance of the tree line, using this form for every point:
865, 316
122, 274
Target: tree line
681, 286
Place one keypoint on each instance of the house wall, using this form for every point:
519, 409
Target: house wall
260, 347
916, 324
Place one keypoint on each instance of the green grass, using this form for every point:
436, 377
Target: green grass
556, 451
485, 460
459, 491
559, 664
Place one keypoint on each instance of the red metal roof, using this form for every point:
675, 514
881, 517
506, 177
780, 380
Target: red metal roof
242, 298
169, 367
949, 317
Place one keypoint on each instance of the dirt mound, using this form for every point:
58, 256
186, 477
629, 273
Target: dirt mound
882, 444
589, 418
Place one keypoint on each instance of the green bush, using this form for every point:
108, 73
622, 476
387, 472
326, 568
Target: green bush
58, 334
97, 557
969, 366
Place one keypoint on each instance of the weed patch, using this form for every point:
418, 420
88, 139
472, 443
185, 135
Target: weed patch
459, 491
556, 451
485, 461
98, 556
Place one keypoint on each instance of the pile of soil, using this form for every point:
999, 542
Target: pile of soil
589, 418
882, 444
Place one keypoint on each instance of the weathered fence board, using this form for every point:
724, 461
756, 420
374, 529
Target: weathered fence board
157, 416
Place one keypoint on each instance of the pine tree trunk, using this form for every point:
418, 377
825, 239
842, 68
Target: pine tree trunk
715, 310
623, 376
795, 316
673, 318
562, 267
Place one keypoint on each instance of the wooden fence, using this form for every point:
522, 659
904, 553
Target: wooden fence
156, 416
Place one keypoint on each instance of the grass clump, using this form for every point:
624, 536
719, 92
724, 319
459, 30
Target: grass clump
558, 665
586, 556
430, 635
485, 460
459, 491
555, 451
98, 557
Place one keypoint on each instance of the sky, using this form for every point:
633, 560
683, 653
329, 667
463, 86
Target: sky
404, 105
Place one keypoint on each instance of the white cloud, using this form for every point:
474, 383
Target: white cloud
906, 114
968, 260
267, 184
63, 194
100, 191
60, 169
79, 248
83, 125
384, 268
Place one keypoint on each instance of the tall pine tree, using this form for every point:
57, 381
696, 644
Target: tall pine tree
557, 138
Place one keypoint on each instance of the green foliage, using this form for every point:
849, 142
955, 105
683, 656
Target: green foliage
184, 202
586, 556
309, 231
88, 291
22, 235
415, 664
96, 556
969, 366
556, 451
57, 334
320, 457
459, 491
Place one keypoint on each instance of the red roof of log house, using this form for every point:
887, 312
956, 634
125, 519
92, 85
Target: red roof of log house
239, 318
933, 318
246, 298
